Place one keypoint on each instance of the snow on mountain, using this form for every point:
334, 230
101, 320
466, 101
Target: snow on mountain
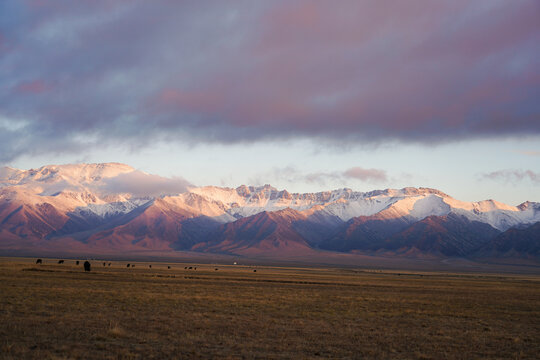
110, 209
8, 174
494, 213
72, 188
200, 206
70, 174
249, 200
56, 199
416, 203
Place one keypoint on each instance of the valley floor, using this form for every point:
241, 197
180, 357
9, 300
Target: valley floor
59, 311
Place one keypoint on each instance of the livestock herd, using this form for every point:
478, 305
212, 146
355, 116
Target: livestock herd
87, 265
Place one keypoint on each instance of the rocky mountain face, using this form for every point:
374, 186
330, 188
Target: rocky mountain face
113, 207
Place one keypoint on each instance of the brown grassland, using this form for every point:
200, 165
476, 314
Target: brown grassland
59, 311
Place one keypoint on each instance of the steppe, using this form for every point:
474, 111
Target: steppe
57, 311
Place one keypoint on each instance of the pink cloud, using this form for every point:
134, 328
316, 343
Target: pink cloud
370, 175
349, 72
528, 152
404, 70
141, 184
32, 87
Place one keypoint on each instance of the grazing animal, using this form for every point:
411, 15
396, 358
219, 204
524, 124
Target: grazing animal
254, 270
150, 266
109, 264
185, 267
77, 262
216, 269
39, 261
60, 261
133, 265
190, 268
168, 267
128, 265
194, 268
104, 264
86, 265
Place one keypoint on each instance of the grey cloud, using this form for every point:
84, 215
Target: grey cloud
86, 74
513, 176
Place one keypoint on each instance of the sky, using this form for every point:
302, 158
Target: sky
304, 95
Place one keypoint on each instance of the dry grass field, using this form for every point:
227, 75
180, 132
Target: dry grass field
53, 311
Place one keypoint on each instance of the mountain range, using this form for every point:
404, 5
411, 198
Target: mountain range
112, 207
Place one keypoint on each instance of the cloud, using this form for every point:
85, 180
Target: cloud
140, 184
528, 152
125, 72
513, 176
32, 87
292, 175
362, 174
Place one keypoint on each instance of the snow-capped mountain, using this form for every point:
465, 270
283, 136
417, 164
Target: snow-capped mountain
114, 206
416, 203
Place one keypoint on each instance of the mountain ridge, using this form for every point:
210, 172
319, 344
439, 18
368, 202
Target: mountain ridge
78, 202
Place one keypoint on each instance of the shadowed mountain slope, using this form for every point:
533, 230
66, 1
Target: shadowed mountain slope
521, 242
264, 232
449, 235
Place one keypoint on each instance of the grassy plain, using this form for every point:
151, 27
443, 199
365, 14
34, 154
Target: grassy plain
59, 311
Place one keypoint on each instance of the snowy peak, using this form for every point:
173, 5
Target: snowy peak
529, 205
8, 174
56, 178
412, 191
80, 173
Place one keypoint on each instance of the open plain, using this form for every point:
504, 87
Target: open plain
56, 310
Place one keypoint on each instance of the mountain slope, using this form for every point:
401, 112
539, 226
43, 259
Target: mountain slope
369, 232
30, 220
263, 232
448, 235
522, 242
366, 232
159, 226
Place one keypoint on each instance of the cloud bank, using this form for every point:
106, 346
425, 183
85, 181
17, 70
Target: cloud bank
80, 74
